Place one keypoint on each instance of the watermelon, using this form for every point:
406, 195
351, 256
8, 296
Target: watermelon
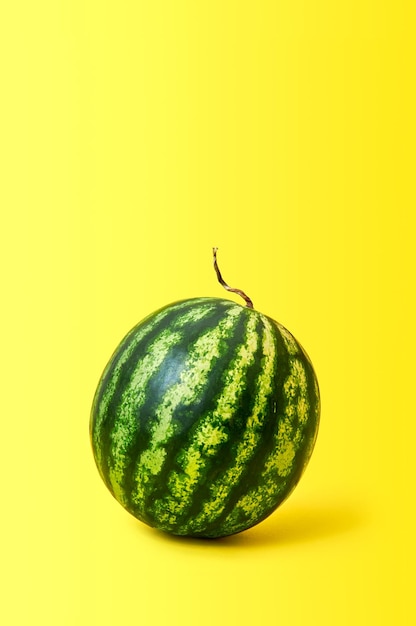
205, 417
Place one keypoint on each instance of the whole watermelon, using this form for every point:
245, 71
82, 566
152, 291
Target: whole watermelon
205, 418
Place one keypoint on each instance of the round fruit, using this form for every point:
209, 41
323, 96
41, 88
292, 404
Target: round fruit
205, 417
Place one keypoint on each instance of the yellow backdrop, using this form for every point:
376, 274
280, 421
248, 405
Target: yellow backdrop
135, 136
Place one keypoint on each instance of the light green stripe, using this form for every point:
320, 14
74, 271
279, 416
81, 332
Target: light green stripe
112, 383
126, 421
290, 342
220, 489
194, 314
279, 464
211, 432
192, 380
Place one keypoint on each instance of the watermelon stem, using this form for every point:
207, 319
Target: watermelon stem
249, 303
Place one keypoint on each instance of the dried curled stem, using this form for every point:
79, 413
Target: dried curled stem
249, 303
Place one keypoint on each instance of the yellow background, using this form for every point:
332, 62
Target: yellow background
134, 137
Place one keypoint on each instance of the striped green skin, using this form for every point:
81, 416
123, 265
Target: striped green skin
205, 418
